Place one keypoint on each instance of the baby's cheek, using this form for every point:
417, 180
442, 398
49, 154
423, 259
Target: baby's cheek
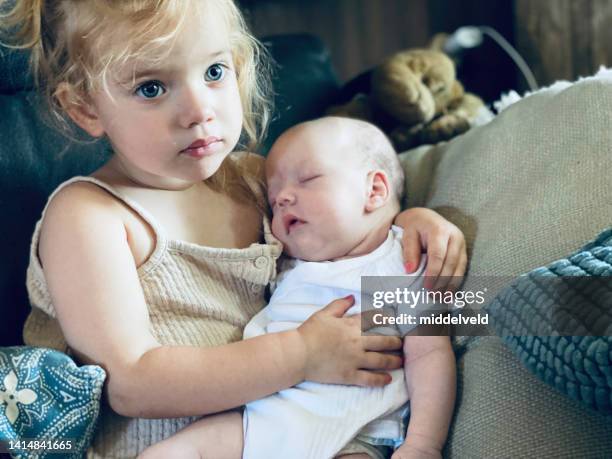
276, 228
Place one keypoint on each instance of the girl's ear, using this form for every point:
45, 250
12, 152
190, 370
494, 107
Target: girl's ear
378, 190
81, 111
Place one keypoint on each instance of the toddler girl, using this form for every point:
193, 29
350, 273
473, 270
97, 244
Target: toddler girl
152, 265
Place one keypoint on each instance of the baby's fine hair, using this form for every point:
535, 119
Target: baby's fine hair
378, 152
368, 145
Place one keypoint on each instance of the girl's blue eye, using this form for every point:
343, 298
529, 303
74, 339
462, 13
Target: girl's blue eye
150, 90
215, 72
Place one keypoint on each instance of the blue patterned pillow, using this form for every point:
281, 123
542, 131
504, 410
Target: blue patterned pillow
47, 404
558, 320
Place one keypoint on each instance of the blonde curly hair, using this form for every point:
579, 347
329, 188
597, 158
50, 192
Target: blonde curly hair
80, 41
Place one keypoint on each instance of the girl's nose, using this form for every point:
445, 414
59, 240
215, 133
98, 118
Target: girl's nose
196, 108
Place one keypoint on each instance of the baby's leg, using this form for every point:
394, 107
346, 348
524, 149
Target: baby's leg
217, 436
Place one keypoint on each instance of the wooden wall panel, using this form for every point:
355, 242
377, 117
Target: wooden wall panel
564, 39
359, 33
559, 39
602, 33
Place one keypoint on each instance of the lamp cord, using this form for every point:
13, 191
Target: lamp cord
513, 53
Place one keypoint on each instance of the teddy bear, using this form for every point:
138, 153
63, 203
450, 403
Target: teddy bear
415, 98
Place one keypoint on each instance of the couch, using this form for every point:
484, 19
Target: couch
526, 189
529, 188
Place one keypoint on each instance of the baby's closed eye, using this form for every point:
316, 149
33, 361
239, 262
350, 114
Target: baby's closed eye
309, 177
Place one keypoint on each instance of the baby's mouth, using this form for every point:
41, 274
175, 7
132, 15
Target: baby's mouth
291, 222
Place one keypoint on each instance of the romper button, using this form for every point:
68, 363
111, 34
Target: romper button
256, 288
261, 262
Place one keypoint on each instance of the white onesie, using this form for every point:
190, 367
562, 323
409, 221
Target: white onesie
314, 420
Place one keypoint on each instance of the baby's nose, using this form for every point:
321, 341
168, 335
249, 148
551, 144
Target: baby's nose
285, 197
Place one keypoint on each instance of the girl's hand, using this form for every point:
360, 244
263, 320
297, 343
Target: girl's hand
444, 243
335, 351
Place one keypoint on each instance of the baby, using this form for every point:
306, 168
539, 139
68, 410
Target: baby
334, 186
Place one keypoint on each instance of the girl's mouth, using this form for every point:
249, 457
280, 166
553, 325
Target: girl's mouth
203, 147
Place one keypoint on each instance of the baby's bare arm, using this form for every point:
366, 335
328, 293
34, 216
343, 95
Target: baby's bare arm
218, 436
430, 376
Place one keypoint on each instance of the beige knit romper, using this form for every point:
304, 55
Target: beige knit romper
196, 295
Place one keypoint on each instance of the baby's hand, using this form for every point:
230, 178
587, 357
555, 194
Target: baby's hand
444, 243
335, 351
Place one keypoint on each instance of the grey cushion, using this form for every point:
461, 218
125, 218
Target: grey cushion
528, 188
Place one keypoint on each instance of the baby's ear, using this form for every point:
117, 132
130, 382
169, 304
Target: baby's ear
378, 190
79, 109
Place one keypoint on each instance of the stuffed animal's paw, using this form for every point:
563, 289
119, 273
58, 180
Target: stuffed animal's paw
444, 127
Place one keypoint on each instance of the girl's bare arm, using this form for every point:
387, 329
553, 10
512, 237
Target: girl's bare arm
95, 289
425, 229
